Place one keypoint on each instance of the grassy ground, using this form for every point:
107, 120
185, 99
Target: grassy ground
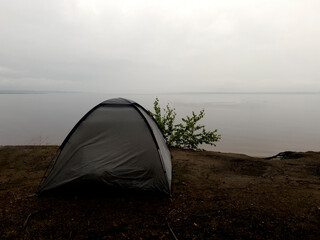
215, 196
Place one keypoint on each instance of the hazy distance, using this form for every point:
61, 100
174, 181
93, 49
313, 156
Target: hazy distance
160, 46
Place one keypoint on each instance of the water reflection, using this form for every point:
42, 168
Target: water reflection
254, 124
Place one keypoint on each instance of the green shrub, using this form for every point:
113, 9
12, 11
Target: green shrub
188, 134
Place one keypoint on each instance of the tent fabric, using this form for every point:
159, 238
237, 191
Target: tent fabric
164, 151
116, 144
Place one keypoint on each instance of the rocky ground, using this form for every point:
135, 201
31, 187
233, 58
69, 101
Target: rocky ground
215, 196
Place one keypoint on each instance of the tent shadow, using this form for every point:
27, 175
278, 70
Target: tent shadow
94, 190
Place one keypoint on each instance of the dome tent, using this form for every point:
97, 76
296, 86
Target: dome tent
117, 144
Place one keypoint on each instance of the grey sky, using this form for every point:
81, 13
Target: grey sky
160, 46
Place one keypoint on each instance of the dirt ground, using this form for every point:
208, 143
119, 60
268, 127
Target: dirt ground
215, 196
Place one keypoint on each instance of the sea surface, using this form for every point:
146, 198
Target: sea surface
257, 124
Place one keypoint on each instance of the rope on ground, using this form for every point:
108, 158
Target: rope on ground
28, 219
171, 231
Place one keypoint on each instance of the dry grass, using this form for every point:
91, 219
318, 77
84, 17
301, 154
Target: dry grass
215, 196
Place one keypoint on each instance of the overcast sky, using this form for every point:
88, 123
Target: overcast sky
160, 46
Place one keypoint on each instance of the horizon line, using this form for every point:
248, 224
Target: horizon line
144, 93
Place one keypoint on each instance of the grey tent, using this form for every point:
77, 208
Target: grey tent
117, 144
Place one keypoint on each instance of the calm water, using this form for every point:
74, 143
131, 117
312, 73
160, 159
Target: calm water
254, 124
